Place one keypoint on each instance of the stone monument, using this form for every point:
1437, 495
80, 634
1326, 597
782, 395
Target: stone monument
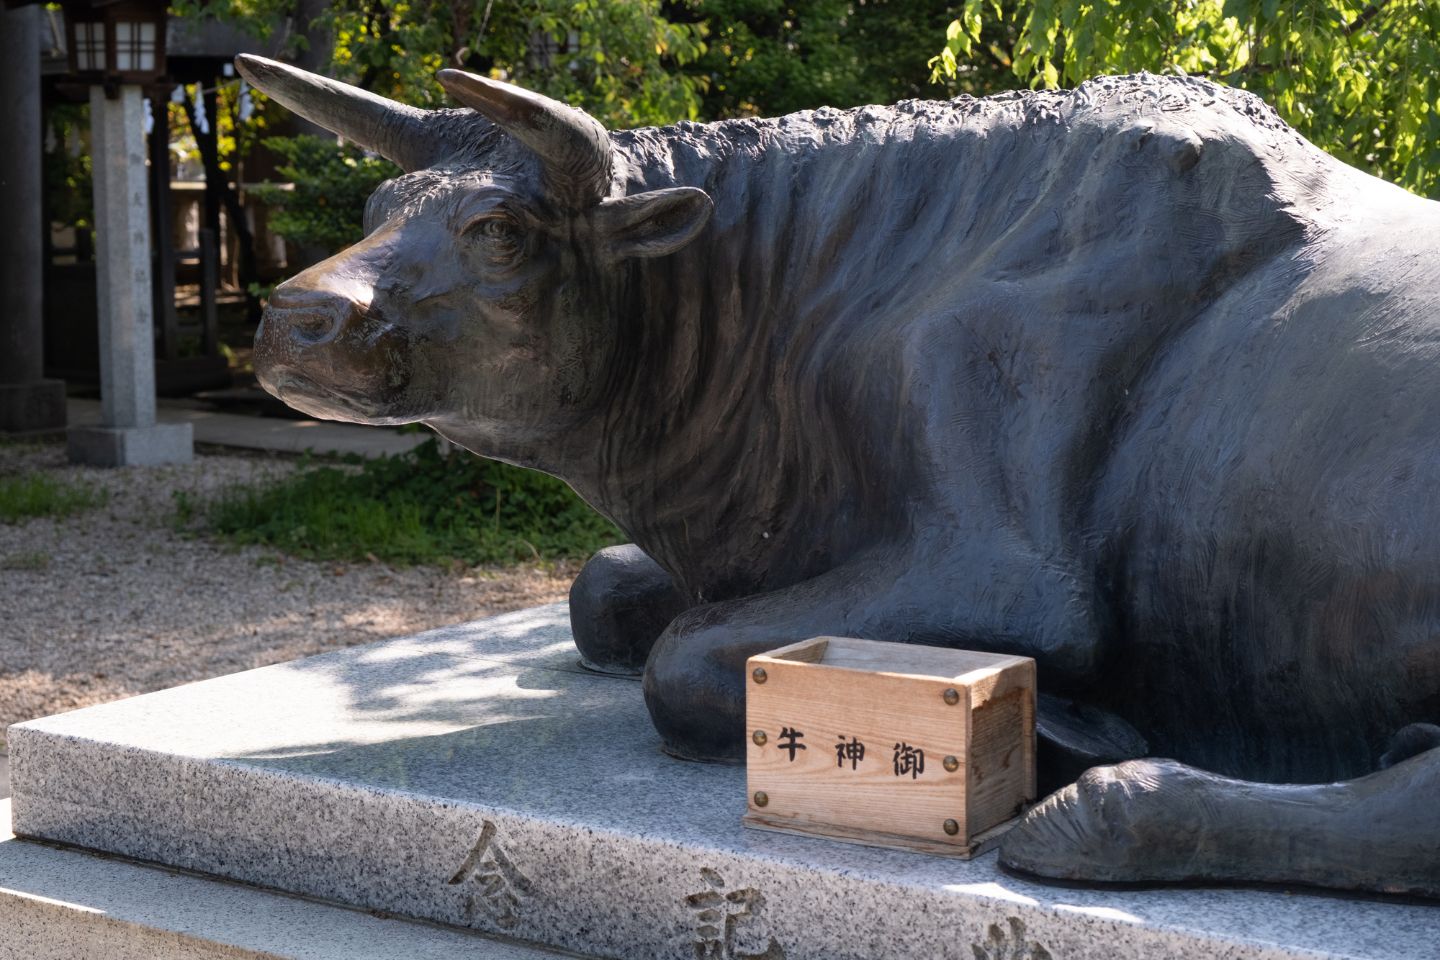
1130, 379
128, 433
116, 48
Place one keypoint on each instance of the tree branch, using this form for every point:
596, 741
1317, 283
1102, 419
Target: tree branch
1370, 12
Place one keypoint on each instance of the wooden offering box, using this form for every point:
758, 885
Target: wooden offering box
889, 744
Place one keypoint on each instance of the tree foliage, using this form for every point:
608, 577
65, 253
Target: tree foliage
765, 58
628, 64
66, 168
328, 184
1361, 80
619, 61
624, 63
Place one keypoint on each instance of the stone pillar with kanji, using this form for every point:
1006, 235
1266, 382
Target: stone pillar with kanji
128, 433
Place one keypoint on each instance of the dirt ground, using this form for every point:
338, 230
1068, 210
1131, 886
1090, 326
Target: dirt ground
114, 602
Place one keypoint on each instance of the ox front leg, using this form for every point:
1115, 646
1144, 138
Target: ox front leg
695, 678
619, 605
1161, 821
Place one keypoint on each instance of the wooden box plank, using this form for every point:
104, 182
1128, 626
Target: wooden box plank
889, 744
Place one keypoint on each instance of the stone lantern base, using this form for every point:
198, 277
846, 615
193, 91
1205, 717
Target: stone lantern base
131, 446
34, 407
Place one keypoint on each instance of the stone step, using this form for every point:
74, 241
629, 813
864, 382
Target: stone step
61, 904
477, 776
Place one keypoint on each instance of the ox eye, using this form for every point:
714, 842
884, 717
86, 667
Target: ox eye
499, 233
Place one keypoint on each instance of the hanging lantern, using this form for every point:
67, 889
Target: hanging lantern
115, 41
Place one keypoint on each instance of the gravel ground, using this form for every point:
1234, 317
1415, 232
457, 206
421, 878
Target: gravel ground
114, 602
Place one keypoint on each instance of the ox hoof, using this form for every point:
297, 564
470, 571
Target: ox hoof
698, 712
695, 685
1139, 821
619, 605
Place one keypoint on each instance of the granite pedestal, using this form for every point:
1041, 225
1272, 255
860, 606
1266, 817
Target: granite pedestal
58, 904
479, 777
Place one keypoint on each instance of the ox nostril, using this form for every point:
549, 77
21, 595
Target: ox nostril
307, 320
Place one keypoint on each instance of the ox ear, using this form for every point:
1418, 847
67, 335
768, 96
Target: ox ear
652, 224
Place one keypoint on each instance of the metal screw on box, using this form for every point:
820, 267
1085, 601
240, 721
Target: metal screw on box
951, 695
759, 737
951, 827
762, 798
759, 674
952, 764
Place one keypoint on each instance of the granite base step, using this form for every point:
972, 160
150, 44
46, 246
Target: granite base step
61, 904
479, 777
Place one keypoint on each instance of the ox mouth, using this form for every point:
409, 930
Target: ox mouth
289, 386
284, 381
327, 402
313, 398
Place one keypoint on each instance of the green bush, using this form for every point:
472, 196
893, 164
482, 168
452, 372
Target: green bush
419, 507
26, 495
331, 182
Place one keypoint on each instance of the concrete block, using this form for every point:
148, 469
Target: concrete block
131, 446
478, 776
34, 407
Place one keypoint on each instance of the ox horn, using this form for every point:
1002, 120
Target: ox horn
573, 147
393, 130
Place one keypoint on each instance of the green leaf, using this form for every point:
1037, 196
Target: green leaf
973, 18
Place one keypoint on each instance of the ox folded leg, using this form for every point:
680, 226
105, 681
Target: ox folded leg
619, 605
695, 680
1161, 821
695, 677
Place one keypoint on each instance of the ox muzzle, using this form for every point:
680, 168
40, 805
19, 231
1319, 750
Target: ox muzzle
323, 351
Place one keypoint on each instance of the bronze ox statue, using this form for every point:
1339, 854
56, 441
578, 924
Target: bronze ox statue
1131, 379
